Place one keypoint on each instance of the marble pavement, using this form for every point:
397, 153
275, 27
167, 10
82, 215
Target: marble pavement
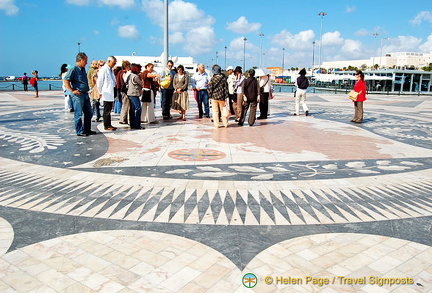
291, 204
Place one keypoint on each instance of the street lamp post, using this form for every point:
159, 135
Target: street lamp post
322, 14
375, 34
166, 49
261, 35
244, 54
225, 57
79, 48
217, 57
313, 56
283, 60
382, 49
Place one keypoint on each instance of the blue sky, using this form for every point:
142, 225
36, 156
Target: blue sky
43, 34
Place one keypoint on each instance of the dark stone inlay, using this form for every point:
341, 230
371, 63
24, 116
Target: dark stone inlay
280, 206
228, 206
216, 206
304, 170
177, 204
203, 206
241, 207
254, 207
238, 243
164, 203
190, 205
267, 207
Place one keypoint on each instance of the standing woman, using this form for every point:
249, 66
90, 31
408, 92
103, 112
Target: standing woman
265, 86
180, 99
147, 99
34, 82
359, 87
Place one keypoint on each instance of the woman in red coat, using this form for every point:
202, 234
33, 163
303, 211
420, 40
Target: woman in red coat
359, 87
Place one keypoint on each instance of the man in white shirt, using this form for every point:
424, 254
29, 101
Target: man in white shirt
200, 81
106, 82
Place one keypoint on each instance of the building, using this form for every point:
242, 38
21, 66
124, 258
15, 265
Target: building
382, 80
397, 60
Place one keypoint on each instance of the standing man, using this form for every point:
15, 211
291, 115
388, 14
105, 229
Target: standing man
106, 82
251, 98
302, 84
25, 80
168, 91
76, 82
231, 95
200, 81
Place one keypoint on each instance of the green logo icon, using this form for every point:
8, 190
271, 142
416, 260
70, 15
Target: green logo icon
249, 280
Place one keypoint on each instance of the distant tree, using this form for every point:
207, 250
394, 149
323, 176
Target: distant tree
376, 66
427, 68
363, 67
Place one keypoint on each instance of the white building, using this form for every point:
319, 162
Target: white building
399, 60
187, 62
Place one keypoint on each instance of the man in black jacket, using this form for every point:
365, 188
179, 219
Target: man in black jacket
251, 98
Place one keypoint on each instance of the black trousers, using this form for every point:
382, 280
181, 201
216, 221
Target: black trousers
108, 106
263, 105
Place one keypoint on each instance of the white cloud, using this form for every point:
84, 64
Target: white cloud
242, 26
124, 4
200, 40
300, 41
9, 7
350, 9
79, 2
121, 3
129, 32
362, 32
176, 38
427, 46
352, 49
332, 39
187, 24
422, 16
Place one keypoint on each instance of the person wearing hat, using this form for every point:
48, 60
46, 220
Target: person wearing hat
218, 92
251, 98
231, 80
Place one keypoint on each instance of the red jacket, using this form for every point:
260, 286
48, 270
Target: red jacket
360, 87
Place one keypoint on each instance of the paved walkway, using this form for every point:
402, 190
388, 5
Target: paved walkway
292, 204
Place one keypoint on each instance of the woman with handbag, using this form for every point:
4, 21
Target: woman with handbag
147, 98
360, 88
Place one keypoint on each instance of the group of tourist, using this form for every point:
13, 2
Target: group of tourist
131, 91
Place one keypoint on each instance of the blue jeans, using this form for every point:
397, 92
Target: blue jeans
166, 96
82, 106
135, 112
96, 109
203, 99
